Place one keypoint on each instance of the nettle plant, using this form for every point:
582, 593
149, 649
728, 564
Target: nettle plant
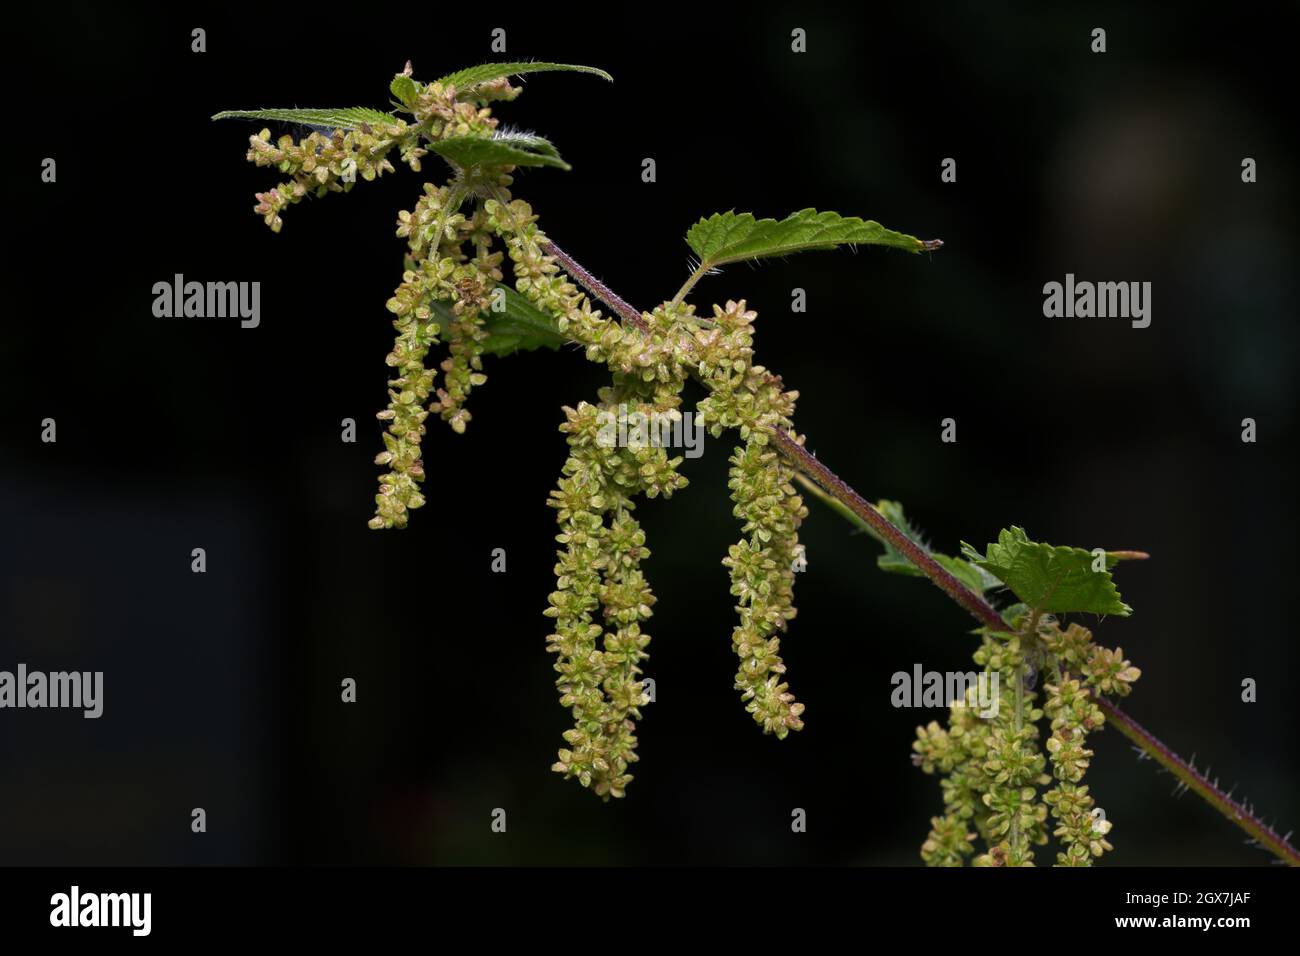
1002, 775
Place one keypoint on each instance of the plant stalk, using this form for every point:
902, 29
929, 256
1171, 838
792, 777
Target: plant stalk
593, 285
694, 277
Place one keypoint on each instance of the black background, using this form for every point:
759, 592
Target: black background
222, 689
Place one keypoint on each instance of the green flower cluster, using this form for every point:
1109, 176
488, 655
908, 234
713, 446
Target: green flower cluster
441, 271
751, 399
602, 599
991, 769
956, 753
324, 163
1074, 715
463, 368
1082, 829
441, 113
1103, 669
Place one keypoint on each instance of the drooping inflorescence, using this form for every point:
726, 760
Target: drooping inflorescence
752, 400
995, 778
442, 272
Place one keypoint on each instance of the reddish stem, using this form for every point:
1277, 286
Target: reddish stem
593, 285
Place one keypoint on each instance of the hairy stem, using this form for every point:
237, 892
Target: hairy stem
1203, 787
689, 284
835, 486
593, 285
857, 506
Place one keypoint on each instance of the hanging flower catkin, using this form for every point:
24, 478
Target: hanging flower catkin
747, 397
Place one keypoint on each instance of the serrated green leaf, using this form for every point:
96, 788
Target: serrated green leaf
351, 117
1058, 580
404, 89
506, 149
465, 80
519, 327
734, 237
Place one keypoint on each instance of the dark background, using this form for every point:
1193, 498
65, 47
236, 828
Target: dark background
222, 689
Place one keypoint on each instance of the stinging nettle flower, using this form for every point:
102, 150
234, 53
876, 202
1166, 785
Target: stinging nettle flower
992, 770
